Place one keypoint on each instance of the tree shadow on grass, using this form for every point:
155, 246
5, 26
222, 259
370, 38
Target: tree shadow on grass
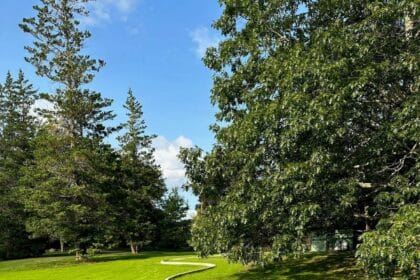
333, 266
120, 256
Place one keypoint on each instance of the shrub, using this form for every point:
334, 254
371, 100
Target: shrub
393, 247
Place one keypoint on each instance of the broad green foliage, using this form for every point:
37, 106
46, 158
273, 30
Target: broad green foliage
317, 122
207, 180
393, 246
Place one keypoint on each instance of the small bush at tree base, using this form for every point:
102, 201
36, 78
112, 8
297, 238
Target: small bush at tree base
393, 248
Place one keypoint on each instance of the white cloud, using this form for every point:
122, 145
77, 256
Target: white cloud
203, 39
105, 10
191, 214
41, 104
166, 155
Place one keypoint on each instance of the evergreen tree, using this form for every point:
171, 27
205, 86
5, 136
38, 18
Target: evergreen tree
57, 55
317, 127
17, 130
174, 206
75, 214
2, 111
18, 124
5, 90
135, 143
174, 227
66, 192
141, 183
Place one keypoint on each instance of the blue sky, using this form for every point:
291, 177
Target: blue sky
152, 46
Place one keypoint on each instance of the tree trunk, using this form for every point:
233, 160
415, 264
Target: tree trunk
78, 255
61, 245
367, 226
134, 247
80, 252
408, 24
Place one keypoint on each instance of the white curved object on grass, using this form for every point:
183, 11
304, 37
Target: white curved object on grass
177, 261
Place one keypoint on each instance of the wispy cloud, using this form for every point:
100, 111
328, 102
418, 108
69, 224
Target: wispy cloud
134, 30
203, 39
104, 11
124, 6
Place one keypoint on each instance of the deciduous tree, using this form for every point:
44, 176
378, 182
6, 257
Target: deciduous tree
316, 117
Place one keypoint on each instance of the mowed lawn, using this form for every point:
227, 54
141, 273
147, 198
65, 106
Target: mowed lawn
123, 266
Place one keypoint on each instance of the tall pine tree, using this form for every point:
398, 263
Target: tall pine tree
66, 184
141, 183
17, 129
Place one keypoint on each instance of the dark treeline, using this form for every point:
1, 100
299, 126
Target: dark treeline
60, 184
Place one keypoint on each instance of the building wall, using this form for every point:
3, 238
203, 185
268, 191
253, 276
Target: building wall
338, 241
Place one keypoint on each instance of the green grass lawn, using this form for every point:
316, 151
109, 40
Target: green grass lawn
123, 266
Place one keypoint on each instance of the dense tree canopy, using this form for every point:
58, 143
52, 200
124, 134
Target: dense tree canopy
317, 127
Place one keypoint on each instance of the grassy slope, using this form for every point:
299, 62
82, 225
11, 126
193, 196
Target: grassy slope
146, 266
314, 267
112, 266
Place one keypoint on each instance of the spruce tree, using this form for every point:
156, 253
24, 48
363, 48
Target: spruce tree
57, 55
66, 186
174, 228
141, 182
2, 105
5, 90
18, 128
